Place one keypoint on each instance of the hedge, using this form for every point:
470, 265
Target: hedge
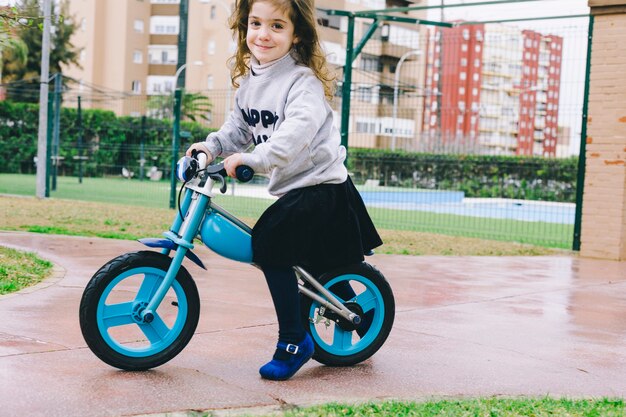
108, 141
519, 177
111, 142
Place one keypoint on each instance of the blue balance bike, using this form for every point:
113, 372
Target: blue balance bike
141, 309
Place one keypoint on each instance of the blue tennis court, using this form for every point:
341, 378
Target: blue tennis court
453, 202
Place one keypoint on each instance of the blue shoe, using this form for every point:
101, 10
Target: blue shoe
280, 370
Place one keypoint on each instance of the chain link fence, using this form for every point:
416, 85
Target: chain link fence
472, 130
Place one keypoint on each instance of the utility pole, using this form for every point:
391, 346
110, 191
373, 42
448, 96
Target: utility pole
42, 145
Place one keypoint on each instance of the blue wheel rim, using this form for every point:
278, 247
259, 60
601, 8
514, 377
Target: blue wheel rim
342, 342
158, 334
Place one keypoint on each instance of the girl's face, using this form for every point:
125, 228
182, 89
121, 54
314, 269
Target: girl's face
270, 32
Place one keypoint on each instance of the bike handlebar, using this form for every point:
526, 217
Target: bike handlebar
243, 172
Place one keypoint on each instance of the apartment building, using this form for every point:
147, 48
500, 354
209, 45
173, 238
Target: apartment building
131, 46
496, 87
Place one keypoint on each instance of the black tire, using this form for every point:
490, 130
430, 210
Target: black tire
356, 343
113, 336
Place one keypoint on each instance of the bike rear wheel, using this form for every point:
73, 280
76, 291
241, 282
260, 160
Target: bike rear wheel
365, 291
111, 306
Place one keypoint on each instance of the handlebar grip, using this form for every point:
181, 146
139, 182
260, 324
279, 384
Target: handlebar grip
244, 173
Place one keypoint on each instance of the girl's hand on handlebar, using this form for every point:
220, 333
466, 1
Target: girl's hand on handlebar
231, 163
200, 147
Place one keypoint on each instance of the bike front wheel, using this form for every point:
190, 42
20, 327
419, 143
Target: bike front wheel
111, 306
366, 292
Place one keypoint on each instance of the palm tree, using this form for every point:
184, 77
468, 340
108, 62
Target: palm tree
193, 107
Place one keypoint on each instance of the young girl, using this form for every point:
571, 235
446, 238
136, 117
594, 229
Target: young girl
319, 221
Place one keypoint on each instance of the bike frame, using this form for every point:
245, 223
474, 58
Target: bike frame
226, 235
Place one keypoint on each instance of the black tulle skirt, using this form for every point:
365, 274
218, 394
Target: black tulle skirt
320, 227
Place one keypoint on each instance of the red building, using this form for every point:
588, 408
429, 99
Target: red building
494, 86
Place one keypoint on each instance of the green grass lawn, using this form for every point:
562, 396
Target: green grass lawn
480, 407
151, 194
20, 269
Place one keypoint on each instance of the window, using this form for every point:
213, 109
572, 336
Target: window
370, 63
164, 25
83, 24
213, 12
211, 47
162, 54
138, 25
160, 84
209, 82
136, 87
333, 22
137, 57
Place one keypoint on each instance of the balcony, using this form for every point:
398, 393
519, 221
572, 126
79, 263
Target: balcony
164, 10
162, 69
158, 39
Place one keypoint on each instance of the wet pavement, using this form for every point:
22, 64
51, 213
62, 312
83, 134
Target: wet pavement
465, 326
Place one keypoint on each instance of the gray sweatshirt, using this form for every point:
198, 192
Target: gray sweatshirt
282, 110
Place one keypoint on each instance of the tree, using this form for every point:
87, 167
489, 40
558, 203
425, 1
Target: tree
194, 106
62, 52
13, 46
11, 18
9, 42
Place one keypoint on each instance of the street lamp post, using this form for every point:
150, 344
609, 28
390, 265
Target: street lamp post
395, 94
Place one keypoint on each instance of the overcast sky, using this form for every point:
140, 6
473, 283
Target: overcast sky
509, 10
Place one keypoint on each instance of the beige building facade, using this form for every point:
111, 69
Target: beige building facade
131, 47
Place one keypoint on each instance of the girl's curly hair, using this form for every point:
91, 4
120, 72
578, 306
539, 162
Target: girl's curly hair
308, 49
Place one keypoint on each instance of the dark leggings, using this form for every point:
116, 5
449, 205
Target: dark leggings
283, 286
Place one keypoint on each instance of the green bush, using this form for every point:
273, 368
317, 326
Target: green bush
110, 142
107, 141
520, 177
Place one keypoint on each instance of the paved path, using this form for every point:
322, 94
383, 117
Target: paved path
465, 326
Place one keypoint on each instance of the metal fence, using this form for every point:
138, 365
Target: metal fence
432, 98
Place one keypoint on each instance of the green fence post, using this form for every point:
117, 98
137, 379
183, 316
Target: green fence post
346, 86
49, 142
79, 126
58, 80
582, 157
175, 141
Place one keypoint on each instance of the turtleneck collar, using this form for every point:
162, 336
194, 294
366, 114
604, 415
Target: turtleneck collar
258, 69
